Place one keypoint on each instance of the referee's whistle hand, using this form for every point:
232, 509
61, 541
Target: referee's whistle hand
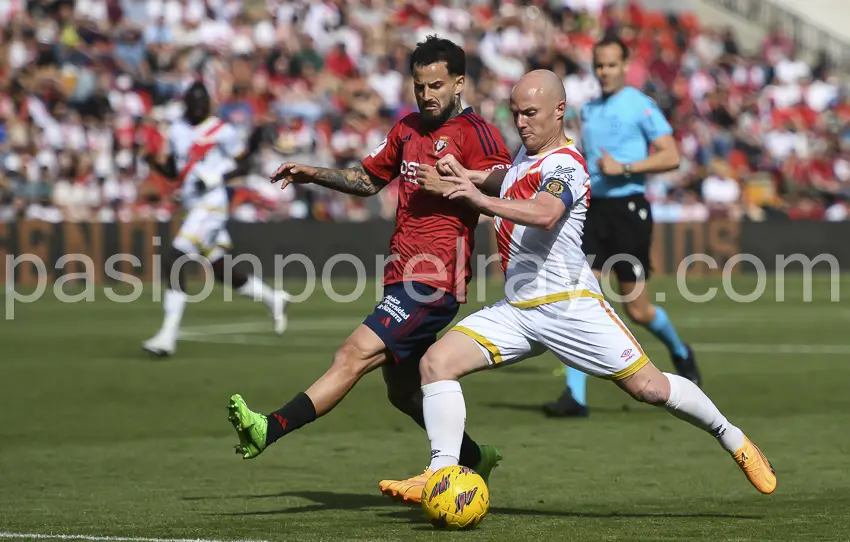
609, 166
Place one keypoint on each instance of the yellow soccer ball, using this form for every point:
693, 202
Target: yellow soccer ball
455, 498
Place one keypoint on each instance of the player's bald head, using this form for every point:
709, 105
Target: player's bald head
538, 103
542, 85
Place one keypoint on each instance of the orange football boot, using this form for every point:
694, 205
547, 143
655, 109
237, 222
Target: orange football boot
756, 467
409, 490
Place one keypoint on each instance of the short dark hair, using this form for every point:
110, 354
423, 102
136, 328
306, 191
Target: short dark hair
435, 49
612, 39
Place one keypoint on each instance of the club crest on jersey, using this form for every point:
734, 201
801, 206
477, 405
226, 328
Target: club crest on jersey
441, 144
556, 188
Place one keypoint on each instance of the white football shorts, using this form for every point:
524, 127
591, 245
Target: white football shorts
583, 332
204, 231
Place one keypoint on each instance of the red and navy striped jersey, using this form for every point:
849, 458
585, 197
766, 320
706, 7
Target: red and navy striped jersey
434, 237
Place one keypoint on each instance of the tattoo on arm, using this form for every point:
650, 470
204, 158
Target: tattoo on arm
354, 180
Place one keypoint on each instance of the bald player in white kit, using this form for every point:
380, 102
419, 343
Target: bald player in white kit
552, 299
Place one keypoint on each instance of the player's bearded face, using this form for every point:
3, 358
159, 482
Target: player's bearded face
610, 68
437, 92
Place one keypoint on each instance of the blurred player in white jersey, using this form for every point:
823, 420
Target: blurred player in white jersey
205, 154
552, 300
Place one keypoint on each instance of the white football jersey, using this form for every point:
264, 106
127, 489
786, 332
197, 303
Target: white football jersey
545, 266
211, 146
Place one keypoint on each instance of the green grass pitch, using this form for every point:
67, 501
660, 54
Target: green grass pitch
98, 439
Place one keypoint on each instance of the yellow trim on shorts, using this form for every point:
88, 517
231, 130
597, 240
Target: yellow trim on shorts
482, 340
554, 298
205, 250
212, 209
630, 370
192, 239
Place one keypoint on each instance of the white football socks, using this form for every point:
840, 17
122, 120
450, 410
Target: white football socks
174, 303
257, 290
689, 403
444, 411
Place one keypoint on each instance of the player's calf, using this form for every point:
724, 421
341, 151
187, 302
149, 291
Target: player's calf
361, 352
640, 311
683, 399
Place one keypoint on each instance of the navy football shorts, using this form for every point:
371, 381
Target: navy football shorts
408, 321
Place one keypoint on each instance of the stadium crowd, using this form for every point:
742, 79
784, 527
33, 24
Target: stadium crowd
87, 86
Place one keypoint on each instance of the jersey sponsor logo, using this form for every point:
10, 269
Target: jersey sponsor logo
379, 148
556, 188
563, 173
392, 306
409, 170
441, 144
464, 499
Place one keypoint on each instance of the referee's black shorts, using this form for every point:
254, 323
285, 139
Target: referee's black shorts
619, 231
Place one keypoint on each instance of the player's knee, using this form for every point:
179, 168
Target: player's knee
648, 385
649, 391
435, 367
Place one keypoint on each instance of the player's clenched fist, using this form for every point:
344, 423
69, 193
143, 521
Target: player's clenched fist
292, 173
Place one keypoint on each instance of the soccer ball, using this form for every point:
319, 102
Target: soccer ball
455, 498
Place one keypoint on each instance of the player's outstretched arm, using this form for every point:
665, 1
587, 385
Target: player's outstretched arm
354, 180
543, 211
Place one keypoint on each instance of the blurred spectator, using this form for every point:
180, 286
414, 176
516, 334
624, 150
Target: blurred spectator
88, 84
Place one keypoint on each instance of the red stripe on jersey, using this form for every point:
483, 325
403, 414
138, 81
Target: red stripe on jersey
198, 151
523, 189
576, 156
569, 152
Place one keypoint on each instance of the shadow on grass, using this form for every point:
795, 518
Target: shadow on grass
538, 407
326, 500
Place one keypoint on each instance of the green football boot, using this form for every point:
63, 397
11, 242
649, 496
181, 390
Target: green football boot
490, 458
250, 426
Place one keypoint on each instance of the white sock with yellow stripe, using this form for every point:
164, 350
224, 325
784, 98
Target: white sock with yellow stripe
689, 403
444, 410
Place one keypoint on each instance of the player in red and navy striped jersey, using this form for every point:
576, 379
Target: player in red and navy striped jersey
426, 279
